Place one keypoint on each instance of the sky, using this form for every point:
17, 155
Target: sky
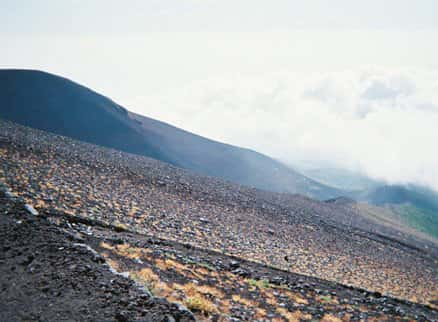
350, 84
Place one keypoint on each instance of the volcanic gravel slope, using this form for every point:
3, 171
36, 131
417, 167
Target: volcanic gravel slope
67, 178
62, 268
47, 274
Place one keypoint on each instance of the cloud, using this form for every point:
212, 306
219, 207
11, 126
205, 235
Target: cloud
378, 90
382, 123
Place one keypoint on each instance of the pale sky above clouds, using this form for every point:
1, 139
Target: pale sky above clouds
350, 83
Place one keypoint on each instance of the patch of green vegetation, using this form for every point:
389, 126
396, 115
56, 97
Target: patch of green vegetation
200, 303
326, 298
131, 250
259, 283
280, 287
423, 220
120, 227
188, 261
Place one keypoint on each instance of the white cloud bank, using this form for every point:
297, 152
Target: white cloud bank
380, 122
255, 73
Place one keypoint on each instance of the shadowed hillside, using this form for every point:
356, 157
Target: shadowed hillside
411, 205
58, 105
414, 205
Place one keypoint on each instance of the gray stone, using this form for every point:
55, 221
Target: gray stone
30, 209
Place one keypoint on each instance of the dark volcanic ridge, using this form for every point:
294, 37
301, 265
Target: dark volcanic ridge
85, 184
58, 105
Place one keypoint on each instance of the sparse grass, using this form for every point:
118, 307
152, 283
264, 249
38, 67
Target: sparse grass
204, 271
225, 305
258, 283
277, 319
136, 277
131, 250
168, 263
192, 289
293, 317
112, 263
280, 287
120, 227
201, 304
125, 250
199, 297
330, 318
152, 282
327, 299
272, 301
40, 204
205, 289
188, 261
145, 277
298, 299
238, 299
207, 266
260, 313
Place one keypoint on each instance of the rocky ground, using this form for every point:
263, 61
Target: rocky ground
90, 191
60, 268
46, 274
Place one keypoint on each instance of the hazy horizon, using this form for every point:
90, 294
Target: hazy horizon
350, 85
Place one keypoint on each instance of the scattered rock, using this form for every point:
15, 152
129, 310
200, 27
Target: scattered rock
204, 220
31, 210
234, 264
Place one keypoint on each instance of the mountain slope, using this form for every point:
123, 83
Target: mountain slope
397, 194
415, 206
339, 178
58, 105
58, 175
411, 205
160, 275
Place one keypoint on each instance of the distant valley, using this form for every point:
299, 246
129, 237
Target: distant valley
412, 205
